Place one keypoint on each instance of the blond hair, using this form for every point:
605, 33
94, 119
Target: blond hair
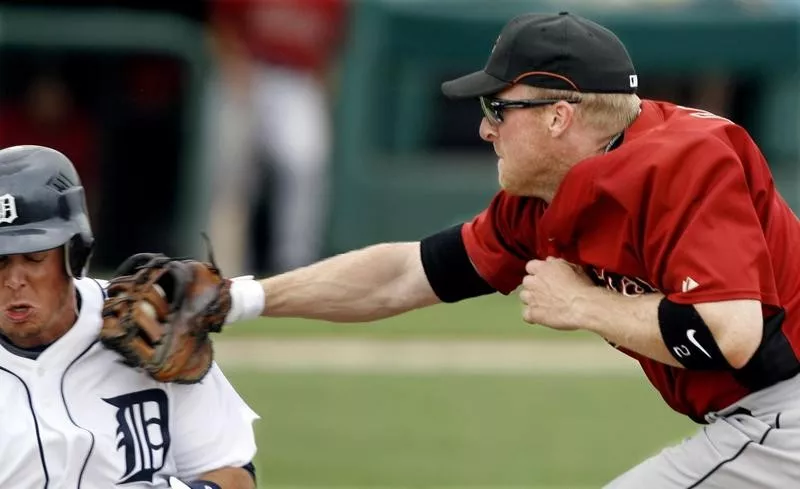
606, 112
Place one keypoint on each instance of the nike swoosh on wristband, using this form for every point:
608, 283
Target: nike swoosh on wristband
690, 334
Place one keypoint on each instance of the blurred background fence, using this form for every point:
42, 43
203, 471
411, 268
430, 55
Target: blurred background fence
410, 162
197, 115
121, 88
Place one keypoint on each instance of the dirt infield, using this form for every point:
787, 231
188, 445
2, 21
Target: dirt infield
419, 356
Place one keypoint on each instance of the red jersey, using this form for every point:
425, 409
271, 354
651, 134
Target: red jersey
686, 205
301, 34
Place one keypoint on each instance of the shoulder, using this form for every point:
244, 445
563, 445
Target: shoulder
214, 390
90, 282
672, 155
513, 207
510, 216
674, 129
687, 147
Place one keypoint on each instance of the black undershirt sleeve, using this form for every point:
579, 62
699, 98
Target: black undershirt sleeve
448, 267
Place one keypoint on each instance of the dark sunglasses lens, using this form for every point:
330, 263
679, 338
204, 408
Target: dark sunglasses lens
493, 114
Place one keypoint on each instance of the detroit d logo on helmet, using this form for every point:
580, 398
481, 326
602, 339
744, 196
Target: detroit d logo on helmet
8, 208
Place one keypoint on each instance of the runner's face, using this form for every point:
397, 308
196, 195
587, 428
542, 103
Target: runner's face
36, 297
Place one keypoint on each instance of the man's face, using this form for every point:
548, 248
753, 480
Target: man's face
36, 297
523, 145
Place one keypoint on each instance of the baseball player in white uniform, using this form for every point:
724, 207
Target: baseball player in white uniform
72, 415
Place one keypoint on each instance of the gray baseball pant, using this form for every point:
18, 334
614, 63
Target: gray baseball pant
754, 443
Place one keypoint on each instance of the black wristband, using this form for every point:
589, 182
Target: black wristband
688, 338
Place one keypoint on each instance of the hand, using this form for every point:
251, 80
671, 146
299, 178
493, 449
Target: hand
552, 291
159, 314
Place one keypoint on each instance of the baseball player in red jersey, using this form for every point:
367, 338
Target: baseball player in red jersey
656, 226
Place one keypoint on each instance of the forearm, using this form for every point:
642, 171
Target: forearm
630, 322
230, 478
561, 296
364, 285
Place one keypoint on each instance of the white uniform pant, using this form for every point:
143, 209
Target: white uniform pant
283, 121
752, 444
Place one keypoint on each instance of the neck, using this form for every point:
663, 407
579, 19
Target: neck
63, 323
613, 142
593, 146
603, 144
546, 193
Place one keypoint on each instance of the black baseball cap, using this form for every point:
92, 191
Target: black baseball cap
559, 51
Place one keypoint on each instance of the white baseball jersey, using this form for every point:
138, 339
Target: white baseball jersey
76, 418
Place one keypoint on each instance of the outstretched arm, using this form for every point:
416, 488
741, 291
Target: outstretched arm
372, 283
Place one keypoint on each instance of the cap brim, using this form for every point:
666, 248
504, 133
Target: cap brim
33, 237
473, 85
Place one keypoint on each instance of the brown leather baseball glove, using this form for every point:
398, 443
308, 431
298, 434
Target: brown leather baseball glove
159, 313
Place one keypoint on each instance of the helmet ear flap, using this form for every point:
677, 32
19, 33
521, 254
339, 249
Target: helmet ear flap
77, 252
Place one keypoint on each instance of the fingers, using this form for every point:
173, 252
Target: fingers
533, 266
528, 316
528, 281
543, 290
526, 296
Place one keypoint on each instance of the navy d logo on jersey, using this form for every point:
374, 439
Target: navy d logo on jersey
143, 433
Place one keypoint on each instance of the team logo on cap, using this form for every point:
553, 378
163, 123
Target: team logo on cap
8, 208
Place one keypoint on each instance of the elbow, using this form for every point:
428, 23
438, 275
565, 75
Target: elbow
409, 289
231, 477
403, 296
737, 327
739, 356
740, 344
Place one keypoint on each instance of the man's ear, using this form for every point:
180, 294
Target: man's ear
562, 117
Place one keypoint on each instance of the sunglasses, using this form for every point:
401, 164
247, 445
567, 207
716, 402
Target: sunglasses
493, 107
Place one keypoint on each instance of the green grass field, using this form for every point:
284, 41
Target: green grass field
387, 431
452, 431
